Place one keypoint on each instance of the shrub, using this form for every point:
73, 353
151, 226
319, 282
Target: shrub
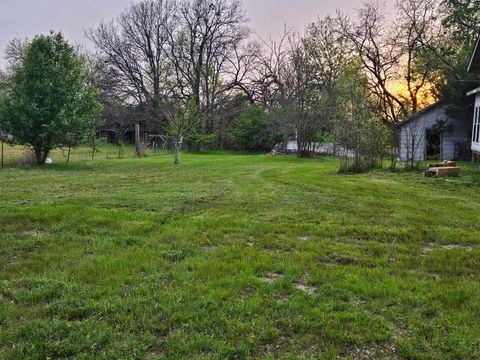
251, 131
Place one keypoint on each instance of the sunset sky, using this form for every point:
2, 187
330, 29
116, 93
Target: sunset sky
25, 18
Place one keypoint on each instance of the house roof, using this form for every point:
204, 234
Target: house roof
473, 92
418, 114
474, 65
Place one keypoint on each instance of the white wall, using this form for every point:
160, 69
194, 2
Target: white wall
416, 131
412, 139
476, 126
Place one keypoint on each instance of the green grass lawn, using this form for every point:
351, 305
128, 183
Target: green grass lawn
237, 256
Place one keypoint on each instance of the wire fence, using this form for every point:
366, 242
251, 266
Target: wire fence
20, 155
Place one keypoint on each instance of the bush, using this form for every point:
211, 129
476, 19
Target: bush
252, 133
366, 144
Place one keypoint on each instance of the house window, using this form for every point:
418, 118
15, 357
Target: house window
476, 125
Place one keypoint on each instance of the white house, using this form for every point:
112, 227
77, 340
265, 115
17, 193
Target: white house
474, 68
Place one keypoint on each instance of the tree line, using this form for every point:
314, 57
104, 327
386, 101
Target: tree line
193, 70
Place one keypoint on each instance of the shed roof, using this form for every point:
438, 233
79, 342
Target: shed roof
473, 92
474, 65
424, 111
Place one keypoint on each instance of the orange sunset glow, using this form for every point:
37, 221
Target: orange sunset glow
425, 96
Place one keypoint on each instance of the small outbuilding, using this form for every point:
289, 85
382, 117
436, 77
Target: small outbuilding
431, 134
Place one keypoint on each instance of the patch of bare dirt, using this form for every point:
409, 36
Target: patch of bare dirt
35, 233
283, 299
155, 354
302, 285
272, 349
381, 351
209, 247
271, 277
432, 247
251, 241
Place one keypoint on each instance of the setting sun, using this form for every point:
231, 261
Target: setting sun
425, 95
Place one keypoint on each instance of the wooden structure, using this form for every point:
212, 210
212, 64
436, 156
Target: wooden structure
447, 168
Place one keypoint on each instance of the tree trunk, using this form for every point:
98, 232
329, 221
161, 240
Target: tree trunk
45, 156
2, 156
177, 152
38, 156
393, 158
68, 156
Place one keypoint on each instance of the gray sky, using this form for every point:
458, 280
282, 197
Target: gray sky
25, 18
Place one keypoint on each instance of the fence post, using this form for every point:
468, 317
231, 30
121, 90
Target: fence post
137, 140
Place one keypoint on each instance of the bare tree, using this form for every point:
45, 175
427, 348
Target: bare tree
393, 53
134, 48
296, 79
376, 44
327, 54
419, 24
269, 82
15, 51
241, 68
205, 39
300, 92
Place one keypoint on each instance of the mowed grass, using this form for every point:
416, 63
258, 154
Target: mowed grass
237, 256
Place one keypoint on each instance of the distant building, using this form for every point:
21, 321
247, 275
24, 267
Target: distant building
431, 134
119, 125
291, 147
125, 131
474, 68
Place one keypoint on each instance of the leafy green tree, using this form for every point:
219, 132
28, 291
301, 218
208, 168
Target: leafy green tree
183, 120
48, 103
463, 17
462, 24
443, 53
364, 139
251, 131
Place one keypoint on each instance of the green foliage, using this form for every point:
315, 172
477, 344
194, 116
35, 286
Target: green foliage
451, 77
196, 140
251, 131
446, 59
442, 126
47, 102
463, 17
183, 121
365, 139
3, 88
